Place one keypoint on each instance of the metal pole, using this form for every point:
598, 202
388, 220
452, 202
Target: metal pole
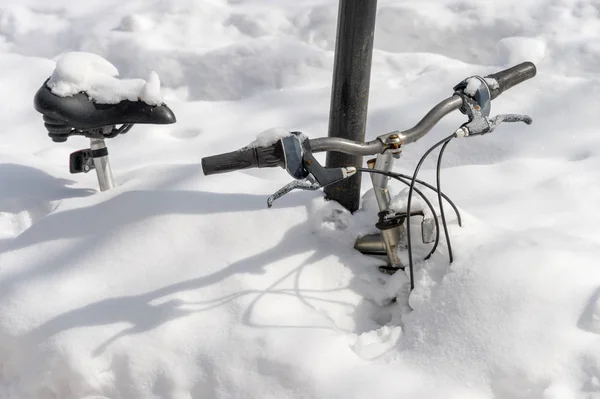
350, 92
101, 164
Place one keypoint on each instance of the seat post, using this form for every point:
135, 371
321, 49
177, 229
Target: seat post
101, 164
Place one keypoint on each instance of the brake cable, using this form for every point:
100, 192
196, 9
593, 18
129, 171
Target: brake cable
405, 179
425, 199
410, 191
441, 205
440, 195
429, 186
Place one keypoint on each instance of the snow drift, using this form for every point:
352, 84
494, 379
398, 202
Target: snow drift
176, 285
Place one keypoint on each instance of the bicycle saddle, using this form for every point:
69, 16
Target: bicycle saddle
66, 116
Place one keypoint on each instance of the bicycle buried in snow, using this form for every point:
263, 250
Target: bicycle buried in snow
472, 96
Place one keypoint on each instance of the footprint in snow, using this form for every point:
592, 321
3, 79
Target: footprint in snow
372, 344
14, 221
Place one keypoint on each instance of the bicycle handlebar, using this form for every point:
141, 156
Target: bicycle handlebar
377, 146
259, 157
511, 77
498, 82
273, 155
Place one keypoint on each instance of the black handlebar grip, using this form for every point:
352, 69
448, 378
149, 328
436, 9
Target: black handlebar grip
511, 77
260, 157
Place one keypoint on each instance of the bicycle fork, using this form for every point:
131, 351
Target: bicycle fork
392, 229
392, 236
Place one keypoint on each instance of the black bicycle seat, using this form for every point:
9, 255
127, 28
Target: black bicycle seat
63, 115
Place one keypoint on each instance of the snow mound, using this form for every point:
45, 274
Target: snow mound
78, 72
513, 50
180, 285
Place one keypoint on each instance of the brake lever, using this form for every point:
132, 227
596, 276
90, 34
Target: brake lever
477, 107
307, 183
510, 118
310, 175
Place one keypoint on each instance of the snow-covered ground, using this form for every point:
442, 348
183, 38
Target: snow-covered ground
176, 285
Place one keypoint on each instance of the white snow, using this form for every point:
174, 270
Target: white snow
473, 84
78, 72
491, 82
514, 50
177, 285
269, 137
151, 92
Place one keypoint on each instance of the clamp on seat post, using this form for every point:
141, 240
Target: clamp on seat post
95, 157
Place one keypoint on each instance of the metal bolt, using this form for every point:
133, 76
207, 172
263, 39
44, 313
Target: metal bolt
394, 138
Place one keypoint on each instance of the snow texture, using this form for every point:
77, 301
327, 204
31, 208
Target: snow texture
269, 137
473, 84
180, 285
492, 83
78, 72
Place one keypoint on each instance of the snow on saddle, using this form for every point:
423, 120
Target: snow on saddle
84, 97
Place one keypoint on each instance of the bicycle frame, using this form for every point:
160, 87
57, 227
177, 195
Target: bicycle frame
389, 239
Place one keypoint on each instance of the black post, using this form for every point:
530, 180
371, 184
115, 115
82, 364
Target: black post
350, 92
